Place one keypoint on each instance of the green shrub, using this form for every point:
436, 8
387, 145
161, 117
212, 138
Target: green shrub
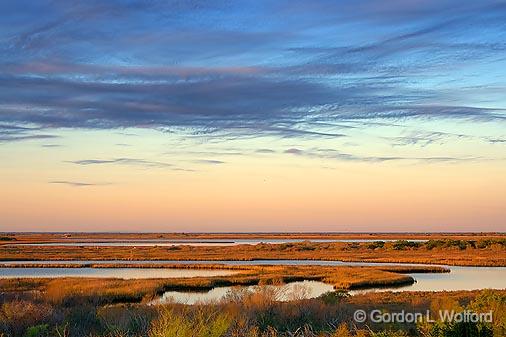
403, 244
203, 323
460, 329
376, 244
334, 297
41, 330
431, 244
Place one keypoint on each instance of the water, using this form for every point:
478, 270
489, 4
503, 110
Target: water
226, 262
286, 292
459, 278
124, 273
195, 242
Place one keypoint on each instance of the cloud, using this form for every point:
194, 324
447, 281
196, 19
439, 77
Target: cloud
122, 161
337, 155
265, 151
14, 133
289, 69
496, 140
12, 138
76, 183
422, 138
209, 161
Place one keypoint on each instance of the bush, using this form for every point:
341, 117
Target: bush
203, 323
41, 330
18, 315
376, 244
334, 297
460, 329
403, 244
431, 244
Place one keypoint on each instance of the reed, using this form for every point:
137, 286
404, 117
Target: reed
480, 252
252, 314
111, 290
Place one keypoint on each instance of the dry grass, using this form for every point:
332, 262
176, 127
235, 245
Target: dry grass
486, 252
104, 237
119, 290
254, 315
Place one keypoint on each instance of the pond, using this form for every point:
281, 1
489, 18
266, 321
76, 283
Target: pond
286, 292
459, 278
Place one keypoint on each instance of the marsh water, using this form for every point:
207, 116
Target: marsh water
194, 242
124, 273
459, 278
286, 292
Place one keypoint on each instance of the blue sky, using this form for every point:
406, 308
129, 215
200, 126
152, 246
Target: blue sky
272, 67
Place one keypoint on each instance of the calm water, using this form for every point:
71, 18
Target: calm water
287, 292
227, 262
460, 278
124, 273
196, 242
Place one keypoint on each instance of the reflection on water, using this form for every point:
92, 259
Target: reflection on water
124, 273
460, 278
227, 262
286, 292
196, 242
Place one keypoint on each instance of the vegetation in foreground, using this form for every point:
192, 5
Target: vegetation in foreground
246, 314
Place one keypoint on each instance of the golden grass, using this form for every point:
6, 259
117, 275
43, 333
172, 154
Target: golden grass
134, 290
484, 252
257, 314
104, 237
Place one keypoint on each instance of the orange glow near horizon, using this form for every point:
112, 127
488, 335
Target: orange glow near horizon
266, 195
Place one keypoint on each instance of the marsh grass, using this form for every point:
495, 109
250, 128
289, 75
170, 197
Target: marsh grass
110, 290
253, 314
471, 252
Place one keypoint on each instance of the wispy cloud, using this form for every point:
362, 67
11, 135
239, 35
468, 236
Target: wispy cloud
76, 183
14, 133
122, 161
265, 151
496, 140
12, 138
337, 155
423, 138
224, 71
209, 161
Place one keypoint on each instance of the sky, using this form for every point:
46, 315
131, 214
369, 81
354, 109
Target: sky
233, 116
